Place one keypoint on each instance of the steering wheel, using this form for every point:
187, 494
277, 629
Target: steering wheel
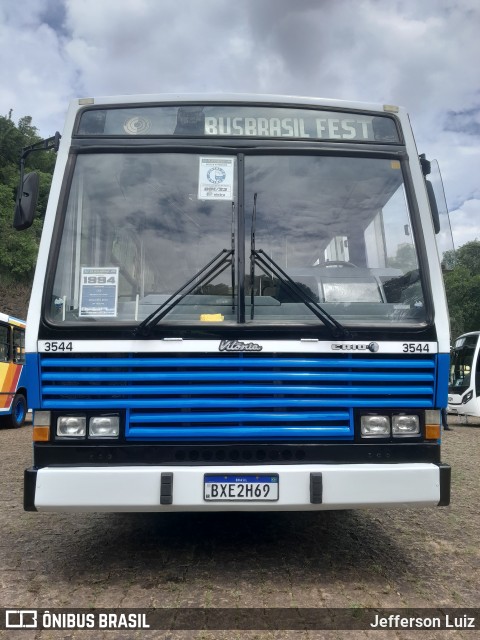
337, 263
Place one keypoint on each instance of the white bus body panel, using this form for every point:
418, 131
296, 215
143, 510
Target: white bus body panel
471, 408
137, 488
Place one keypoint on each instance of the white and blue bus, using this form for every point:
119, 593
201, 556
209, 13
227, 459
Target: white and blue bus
238, 305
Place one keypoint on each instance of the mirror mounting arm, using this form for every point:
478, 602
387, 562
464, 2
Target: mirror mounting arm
42, 145
425, 164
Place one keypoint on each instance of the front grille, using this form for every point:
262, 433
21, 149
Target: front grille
237, 396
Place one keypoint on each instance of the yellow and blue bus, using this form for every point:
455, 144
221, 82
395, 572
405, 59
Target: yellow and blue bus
238, 305
13, 390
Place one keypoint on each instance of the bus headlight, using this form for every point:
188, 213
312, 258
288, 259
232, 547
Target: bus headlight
375, 426
405, 425
468, 397
104, 427
72, 426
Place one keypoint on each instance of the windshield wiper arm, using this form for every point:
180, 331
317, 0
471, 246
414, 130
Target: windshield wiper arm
233, 252
205, 275
269, 266
252, 257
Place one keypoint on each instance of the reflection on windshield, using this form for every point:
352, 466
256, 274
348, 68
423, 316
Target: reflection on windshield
139, 226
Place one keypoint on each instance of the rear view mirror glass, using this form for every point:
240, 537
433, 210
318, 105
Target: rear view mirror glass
26, 202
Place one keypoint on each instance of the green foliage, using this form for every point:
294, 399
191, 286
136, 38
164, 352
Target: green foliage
448, 260
18, 250
463, 289
468, 256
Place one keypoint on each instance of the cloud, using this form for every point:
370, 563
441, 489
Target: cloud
156, 47
35, 76
465, 222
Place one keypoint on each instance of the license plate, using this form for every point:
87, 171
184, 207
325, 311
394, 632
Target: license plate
233, 487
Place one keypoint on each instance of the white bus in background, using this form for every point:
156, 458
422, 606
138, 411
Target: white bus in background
464, 387
238, 305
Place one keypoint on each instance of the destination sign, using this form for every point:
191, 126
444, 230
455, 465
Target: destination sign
331, 128
239, 121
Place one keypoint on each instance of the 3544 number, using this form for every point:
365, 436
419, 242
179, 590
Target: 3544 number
58, 346
413, 347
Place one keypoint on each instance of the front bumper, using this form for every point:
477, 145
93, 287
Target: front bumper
301, 487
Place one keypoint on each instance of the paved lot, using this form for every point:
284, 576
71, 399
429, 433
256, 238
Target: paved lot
400, 558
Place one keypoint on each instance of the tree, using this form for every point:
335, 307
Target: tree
462, 285
18, 251
468, 256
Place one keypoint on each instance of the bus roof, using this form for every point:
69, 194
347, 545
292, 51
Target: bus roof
247, 98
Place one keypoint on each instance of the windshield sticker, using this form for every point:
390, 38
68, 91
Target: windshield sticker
211, 317
98, 292
215, 181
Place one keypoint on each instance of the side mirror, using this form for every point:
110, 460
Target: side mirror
26, 202
433, 206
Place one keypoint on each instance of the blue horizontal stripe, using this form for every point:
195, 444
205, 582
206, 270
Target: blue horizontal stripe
122, 403
239, 417
201, 376
235, 362
237, 433
198, 403
235, 389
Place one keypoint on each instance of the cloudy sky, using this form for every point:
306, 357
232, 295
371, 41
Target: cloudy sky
423, 55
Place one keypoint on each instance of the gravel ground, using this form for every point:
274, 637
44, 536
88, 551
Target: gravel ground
394, 558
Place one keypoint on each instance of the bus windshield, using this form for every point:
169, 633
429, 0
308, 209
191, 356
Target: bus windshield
138, 226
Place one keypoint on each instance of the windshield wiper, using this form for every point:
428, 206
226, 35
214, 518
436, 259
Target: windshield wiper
205, 275
232, 241
252, 257
269, 266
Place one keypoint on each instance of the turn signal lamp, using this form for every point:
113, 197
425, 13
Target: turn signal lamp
432, 424
41, 426
41, 434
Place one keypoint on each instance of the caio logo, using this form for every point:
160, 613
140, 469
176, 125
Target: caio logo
353, 346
